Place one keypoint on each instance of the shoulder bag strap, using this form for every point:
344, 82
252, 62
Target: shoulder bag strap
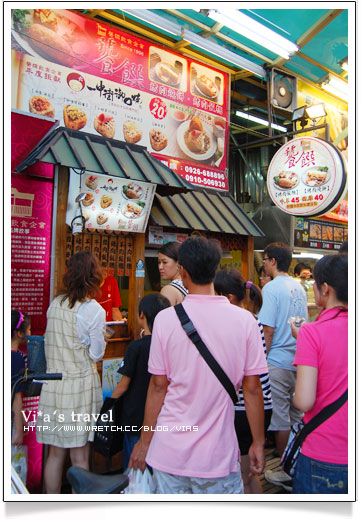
323, 415
192, 333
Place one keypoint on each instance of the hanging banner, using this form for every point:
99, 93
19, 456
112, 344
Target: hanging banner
110, 203
98, 79
306, 177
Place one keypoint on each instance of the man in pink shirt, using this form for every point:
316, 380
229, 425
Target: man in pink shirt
188, 435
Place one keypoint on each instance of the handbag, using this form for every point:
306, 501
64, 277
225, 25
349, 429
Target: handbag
193, 335
108, 438
36, 364
299, 432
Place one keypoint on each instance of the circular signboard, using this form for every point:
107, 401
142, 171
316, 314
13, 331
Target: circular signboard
306, 177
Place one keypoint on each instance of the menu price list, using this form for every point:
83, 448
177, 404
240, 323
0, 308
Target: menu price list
27, 283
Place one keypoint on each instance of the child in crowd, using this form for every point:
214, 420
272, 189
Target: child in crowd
135, 376
20, 328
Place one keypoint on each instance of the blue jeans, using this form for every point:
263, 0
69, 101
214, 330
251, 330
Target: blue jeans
129, 442
315, 477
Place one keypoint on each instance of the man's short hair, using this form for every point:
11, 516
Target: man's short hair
201, 258
151, 305
281, 253
301, 266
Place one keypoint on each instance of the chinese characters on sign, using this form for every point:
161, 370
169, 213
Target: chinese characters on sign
122, 87
31, 203
306, 177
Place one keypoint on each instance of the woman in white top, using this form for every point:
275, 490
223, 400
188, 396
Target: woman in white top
74, 342
169, 269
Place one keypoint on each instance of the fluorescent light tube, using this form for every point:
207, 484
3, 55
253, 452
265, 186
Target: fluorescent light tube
221, 52
254, 31
335, 86
259, 120
195, 39
147, 16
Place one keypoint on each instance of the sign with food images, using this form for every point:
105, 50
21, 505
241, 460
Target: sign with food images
96, 78
306, 177
110, 203
319, 234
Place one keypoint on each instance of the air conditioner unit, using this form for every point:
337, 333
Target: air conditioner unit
283, 90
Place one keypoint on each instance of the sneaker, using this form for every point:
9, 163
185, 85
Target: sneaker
279, 478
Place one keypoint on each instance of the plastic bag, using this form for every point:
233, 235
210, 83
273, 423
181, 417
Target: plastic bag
140, 482
19, 461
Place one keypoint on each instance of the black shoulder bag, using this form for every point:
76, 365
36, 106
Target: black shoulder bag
192, 333
299, 432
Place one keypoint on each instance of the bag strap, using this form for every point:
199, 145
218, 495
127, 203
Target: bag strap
323, 415
193, 335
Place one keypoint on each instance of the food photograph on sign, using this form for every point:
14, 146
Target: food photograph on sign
167, 68
307, 177
110, 203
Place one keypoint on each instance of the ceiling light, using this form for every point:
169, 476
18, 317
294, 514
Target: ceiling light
222, 52
259, 120
189, 36
254, 31
161, 23
344, 64
335, 86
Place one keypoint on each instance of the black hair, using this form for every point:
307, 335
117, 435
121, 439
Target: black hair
300, 267
230, 281
344, 248
333, 270
281, 253
151, 305
170, 249
15, 318
200, 257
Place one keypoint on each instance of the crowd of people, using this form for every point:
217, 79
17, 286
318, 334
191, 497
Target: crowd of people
191, 433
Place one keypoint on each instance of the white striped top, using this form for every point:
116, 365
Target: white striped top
264, 380
180, 286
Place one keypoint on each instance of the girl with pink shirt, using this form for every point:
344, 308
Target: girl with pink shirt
322, 360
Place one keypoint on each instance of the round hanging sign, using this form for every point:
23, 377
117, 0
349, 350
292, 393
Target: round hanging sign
306, 177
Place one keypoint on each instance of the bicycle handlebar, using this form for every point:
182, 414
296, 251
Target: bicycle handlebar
30, 377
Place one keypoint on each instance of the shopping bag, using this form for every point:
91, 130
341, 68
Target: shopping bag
108, 438
140, 483
19, 455
292, 449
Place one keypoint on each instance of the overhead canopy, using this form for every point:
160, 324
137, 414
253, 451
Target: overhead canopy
81, 150
203, 211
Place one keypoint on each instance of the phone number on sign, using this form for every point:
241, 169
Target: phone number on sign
206, 177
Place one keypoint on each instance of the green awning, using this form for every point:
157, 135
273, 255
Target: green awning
203, 211
98, 154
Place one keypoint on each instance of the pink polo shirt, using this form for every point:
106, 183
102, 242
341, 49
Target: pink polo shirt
195, 434
324, 344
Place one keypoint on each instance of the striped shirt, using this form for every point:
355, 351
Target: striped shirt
264, 380
180, 286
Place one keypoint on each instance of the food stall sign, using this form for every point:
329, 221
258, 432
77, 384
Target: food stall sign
110, 203
99, 79
306, 177
314, 234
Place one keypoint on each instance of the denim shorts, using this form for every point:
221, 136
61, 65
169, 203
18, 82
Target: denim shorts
178, 485
315, 477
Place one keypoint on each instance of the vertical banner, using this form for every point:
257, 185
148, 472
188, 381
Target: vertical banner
31, 217
96, 245
68, 244
112, 255
121, 256
129, 254
104, 251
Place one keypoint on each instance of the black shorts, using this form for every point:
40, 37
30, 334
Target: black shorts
243, 432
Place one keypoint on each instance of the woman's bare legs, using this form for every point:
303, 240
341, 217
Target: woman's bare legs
53, 471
